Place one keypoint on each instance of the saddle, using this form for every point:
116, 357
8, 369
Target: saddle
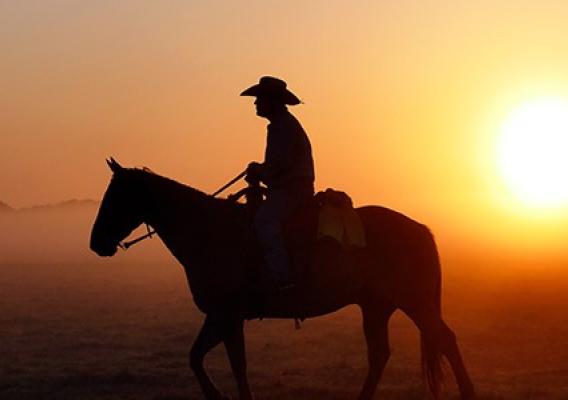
320, 235
317, 233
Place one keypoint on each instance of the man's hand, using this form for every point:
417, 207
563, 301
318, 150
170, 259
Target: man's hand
254, 172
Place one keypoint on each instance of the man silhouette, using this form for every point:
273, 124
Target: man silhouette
287, 171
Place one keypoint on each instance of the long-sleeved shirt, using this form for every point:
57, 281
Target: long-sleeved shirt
288, 157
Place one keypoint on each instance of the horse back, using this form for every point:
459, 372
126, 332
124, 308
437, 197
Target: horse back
402, 258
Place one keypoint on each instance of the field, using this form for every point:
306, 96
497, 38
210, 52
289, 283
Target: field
123, 331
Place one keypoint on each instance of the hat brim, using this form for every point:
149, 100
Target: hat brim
286, 96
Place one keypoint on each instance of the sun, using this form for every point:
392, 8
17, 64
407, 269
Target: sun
533, 152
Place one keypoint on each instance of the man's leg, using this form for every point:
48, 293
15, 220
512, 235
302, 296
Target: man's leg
268, 225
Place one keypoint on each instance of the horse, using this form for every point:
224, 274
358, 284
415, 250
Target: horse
399, 269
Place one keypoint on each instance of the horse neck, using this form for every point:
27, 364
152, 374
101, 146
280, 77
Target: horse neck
184, 218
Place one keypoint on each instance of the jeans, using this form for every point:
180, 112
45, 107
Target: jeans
279, 206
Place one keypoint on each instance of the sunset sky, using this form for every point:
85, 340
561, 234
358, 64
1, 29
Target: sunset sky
405, 101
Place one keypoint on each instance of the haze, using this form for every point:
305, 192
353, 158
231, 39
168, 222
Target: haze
403, 102
402, 99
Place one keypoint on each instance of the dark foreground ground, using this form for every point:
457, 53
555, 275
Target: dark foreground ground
117, 331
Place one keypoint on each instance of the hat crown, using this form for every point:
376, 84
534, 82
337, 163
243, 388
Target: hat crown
271, 87
271, 82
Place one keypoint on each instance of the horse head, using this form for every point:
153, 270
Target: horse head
120, 211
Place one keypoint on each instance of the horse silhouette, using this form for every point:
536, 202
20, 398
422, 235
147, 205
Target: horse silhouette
399, 269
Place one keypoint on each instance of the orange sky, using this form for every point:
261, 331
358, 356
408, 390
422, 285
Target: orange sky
403, 99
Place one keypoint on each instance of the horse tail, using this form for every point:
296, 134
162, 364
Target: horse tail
432, 362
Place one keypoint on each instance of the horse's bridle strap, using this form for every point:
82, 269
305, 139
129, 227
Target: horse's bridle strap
151, 232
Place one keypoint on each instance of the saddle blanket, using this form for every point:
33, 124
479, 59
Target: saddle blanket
338, 219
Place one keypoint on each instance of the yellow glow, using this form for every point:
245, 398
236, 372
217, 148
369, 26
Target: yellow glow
533, 152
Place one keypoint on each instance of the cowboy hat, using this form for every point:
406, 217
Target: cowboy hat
269, 86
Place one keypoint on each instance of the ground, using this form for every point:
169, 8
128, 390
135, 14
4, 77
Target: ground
94, 331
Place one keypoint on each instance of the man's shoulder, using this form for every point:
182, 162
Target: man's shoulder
289, 122
289, 117
283, 121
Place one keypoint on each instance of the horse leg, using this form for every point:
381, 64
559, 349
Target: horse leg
449, 347
211, 335
235, 346
375, 327
438, 337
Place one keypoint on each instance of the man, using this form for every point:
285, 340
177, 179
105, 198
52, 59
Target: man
287, 171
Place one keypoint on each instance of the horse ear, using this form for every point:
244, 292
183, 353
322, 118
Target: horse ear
113, 165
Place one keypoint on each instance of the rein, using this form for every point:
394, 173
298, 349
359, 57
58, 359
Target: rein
126, 245
151, 232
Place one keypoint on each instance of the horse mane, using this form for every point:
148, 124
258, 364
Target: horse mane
181, 192
145, 173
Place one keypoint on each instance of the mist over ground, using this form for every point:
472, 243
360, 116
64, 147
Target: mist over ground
74, 325
60, 233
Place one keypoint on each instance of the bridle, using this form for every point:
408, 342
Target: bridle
125, 245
